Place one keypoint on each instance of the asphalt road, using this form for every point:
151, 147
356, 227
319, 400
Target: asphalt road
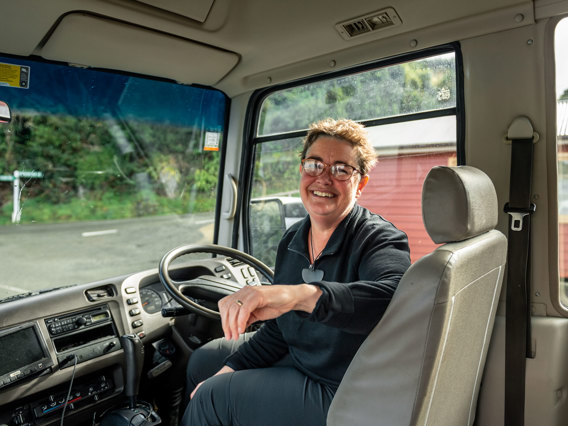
43, 256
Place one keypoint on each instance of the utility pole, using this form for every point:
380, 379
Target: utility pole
16, 184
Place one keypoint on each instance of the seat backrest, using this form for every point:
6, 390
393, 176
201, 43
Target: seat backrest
423, 362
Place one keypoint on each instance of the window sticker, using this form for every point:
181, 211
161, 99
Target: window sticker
14, 75
211, 141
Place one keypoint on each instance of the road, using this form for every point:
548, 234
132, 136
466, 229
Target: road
38, 256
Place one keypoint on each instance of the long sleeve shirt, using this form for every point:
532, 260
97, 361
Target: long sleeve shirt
362, 263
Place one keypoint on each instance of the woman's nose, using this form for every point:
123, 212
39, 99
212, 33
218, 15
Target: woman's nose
325, 175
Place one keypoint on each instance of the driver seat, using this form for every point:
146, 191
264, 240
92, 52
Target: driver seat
423, 362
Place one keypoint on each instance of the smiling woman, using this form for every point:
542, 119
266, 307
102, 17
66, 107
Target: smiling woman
336, 272
142, 130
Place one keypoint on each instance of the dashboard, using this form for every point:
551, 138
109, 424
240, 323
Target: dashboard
72, 334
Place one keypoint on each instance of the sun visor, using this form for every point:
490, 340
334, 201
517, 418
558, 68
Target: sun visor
194, 9
91, 41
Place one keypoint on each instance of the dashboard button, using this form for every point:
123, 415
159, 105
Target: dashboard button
134, 312
137, 323
132, 301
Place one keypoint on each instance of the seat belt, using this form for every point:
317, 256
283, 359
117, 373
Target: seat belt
518, 320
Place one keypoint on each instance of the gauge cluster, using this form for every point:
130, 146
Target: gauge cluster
152, 300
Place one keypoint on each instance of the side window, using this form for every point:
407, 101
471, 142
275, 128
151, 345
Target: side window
410, 112
561, 47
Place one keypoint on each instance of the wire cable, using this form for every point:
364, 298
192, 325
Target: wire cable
69, 391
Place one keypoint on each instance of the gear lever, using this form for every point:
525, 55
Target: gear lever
134, 354
138, 413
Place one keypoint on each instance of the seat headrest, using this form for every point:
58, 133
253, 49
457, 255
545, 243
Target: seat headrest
458, 203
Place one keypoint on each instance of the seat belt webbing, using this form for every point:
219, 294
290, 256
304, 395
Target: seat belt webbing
518, 331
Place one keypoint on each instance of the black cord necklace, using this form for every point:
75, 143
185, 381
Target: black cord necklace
310, 274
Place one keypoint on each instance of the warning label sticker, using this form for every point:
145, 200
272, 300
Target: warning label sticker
211, 141
14, 75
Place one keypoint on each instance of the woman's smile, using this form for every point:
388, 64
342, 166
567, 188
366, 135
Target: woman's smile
327, 199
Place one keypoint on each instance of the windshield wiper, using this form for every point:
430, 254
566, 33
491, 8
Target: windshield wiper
29, 293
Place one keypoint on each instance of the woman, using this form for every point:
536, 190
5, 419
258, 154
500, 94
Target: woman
335, 273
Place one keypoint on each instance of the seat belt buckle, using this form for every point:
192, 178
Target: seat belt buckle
518, 215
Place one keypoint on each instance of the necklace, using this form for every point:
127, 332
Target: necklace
310, 274
312, 247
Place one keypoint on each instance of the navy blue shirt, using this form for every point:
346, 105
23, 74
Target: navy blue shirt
362, 262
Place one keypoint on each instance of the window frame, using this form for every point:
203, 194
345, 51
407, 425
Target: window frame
252, 117
551, 103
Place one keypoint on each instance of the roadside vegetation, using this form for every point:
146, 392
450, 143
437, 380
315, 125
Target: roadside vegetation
101, 169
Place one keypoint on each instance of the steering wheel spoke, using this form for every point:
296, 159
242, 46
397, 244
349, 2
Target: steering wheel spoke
206, 284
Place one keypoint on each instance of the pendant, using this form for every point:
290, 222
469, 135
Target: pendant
310, 275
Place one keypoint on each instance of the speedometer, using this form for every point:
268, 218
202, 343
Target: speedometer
151, 301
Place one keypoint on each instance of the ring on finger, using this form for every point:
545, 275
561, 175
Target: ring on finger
239, 302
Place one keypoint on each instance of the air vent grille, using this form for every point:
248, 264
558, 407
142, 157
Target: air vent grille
100, 293
372, 22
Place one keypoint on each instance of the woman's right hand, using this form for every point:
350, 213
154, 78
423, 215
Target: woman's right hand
260, 303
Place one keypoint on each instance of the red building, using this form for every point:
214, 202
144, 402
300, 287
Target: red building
401, 203
395, 187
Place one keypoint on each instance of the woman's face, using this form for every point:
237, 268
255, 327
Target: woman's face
326, 199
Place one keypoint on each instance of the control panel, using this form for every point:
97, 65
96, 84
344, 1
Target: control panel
49, 405
82, 336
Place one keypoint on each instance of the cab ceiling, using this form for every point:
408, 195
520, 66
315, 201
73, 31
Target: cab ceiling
237, 46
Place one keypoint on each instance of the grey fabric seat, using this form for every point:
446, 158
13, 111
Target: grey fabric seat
422, 364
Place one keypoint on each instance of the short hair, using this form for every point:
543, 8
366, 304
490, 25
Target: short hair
346, 130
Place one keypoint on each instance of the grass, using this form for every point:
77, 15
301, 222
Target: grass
107, 207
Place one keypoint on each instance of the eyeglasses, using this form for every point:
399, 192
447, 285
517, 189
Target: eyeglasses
339, 171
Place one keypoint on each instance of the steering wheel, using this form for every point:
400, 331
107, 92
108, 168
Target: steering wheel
210, 286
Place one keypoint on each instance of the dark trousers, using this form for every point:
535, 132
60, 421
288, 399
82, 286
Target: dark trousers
279, 395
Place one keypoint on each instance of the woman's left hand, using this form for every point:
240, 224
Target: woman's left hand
259, 303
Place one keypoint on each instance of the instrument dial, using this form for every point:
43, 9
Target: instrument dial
151, 300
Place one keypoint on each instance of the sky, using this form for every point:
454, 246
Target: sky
561, 48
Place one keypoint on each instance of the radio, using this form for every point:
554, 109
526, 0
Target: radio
82, 336
71, 322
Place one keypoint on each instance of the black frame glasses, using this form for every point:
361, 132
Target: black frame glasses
339, 171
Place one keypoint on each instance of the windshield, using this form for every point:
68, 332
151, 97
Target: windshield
101, 174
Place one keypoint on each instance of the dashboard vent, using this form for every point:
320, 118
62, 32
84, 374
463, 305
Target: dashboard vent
372, 22
100, 293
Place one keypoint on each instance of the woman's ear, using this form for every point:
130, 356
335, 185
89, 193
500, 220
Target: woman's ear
364, 180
